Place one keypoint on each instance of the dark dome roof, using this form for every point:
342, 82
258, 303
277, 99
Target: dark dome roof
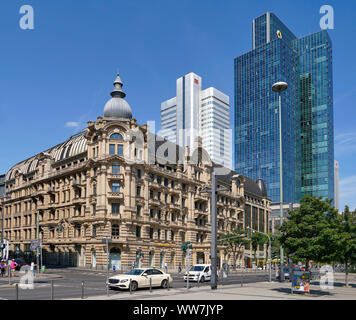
117, 107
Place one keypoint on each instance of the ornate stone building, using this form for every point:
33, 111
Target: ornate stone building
116, 180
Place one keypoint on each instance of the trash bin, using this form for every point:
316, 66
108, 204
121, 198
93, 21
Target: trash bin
43, 269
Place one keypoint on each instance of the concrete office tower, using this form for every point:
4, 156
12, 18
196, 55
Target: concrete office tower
336, 185
195, 112
307, 111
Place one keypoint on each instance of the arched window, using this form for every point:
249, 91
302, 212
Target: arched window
116, 136
115, 230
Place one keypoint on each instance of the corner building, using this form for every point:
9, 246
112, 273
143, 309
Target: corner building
116, 180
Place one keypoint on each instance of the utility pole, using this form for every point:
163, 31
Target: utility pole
213, 282
38, 239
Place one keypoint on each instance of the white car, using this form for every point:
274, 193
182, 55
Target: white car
199, 272
140, 278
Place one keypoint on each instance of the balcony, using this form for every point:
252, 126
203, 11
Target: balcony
116, 177
78, 200
175, 206
154, 202
115, 195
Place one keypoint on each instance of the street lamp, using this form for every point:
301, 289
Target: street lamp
214, 190
2, 223
269, 251
280, 87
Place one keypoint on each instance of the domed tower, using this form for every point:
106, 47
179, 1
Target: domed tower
117, 107
262, 187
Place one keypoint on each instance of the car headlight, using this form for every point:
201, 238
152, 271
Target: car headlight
124, 280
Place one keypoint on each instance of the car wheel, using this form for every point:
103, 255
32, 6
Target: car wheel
164, 284
134, 286
202, 279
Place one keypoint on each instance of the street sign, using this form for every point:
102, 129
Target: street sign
35, 244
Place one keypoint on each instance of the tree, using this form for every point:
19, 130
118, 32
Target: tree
347, 245
234, 242
257, 239
312, 231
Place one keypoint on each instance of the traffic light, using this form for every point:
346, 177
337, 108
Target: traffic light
186, 246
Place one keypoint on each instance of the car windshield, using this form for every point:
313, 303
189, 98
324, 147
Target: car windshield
197, 268
135, 272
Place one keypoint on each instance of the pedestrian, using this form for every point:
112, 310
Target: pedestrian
33, 268
179, 269
2, 267
13, 266
165, 266
133, 265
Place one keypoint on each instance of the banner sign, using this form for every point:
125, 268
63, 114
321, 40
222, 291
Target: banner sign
301, 281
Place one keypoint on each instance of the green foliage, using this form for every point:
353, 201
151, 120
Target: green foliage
257, 239
312, 232
234, 242
347, 244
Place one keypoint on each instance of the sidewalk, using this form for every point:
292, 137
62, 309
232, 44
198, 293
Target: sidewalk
253, 291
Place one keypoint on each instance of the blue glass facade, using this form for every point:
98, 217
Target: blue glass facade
305, 64
316, 147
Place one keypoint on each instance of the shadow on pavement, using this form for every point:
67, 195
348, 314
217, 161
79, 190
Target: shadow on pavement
311, 292
336, 284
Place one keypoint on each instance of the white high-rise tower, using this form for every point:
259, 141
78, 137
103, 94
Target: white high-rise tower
336, 185
195, 112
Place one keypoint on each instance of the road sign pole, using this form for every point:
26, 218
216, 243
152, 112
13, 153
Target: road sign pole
37, 237
107, 267
213, 281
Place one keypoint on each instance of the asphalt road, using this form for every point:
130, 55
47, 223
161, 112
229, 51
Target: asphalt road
70, 285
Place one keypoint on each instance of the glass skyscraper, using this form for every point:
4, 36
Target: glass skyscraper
307, 111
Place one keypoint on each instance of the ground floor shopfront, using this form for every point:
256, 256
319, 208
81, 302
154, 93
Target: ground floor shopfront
122, 256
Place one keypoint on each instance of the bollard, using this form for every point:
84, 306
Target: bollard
198, 282
17, 291
82, 289
52, 290
187, 281
168, 283
150, 285
130, 287
9, 274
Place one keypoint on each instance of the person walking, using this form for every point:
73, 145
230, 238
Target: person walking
13, 266
2, 268
32, 268
179, 269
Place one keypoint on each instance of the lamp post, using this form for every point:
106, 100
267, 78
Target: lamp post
280, 87
214, 237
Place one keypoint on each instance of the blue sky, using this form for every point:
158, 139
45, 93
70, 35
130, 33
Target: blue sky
55, 78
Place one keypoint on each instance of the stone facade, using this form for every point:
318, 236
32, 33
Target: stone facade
116, 180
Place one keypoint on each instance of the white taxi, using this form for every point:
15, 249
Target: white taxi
140, 278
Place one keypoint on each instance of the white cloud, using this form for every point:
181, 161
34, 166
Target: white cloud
348, 192
345, 142
72, 124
